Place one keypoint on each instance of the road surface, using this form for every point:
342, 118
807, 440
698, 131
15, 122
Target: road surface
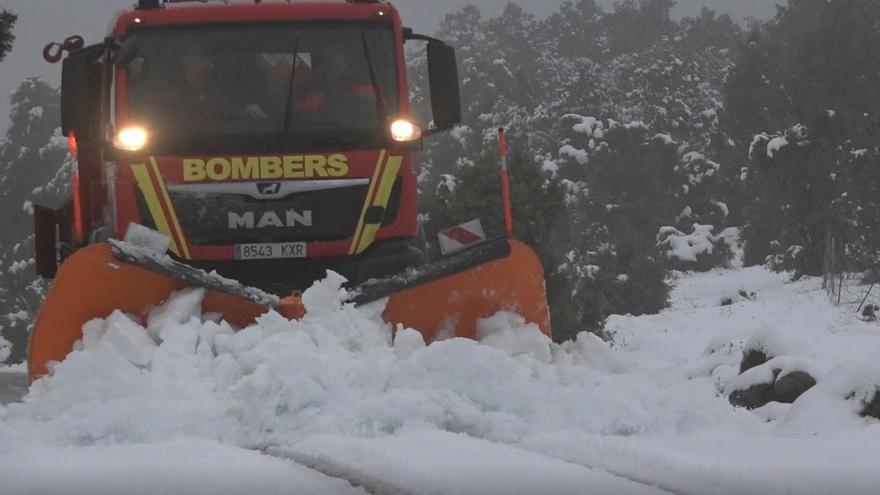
13, 386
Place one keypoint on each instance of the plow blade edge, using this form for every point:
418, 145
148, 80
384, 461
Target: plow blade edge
443, 298
92, 284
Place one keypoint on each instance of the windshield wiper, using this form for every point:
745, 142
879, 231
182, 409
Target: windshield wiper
288, 111
380, 102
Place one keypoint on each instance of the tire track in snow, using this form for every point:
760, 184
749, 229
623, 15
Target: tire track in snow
368, 483
438, 462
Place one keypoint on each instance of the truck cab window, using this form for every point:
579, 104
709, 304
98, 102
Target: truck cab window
266, 88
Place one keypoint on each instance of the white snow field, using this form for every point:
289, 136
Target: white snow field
333, 404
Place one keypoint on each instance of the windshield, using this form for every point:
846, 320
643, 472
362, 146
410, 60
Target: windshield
262, 88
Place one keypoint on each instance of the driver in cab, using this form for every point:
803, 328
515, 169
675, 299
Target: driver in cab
333, 84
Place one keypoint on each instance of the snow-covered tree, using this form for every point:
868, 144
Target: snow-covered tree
651, 90
7, 21
33, 170
804, 101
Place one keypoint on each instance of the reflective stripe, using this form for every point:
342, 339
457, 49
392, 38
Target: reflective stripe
175, 223
367, 202
142, 176
383, 195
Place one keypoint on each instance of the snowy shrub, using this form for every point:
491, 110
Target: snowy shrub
752, 358
5, 350
841, 400
700, 250
872, 406
791, 385
781, 379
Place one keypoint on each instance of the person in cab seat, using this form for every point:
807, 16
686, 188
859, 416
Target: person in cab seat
334, 84
220, 87
239, 87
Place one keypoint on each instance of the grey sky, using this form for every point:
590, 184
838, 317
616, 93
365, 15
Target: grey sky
42, 21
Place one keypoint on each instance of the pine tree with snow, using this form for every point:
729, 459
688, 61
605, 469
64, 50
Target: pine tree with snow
537, 78
33, 170
7, 21
805, 89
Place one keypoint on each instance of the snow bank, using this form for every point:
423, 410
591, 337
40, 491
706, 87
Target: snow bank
181, 467
836, 403
339, 372
341, 387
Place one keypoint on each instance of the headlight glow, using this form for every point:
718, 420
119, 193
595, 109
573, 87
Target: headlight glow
403, 131
131, 139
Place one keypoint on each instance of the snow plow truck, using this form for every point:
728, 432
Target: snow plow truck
247, 148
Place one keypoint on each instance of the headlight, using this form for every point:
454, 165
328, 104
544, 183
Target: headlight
404, 131
131, 139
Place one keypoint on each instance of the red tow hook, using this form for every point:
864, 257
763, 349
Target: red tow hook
54, 52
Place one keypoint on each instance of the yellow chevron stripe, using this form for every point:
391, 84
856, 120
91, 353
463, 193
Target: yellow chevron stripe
142, 176
389, 176
373, 183
175, 222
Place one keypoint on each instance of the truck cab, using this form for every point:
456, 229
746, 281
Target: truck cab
267, 141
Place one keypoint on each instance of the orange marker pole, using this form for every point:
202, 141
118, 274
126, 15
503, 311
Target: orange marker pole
505, 182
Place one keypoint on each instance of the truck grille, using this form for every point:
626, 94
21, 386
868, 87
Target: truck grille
206, 216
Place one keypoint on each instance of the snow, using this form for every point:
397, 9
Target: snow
5, 351
460, 133
454, 464
510, 333
13, 368
687, 247
577, 154
721, 205
775, 145
757, 140
590, 126
147, 238
449, 182
549, 166
666, 139
343, 392
181, 466
19, 266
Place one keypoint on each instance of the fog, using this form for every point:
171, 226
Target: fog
42, 21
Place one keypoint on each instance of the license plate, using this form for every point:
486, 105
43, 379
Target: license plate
269, 251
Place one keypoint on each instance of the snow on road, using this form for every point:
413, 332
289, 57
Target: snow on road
185, 466
13, 383
336, 392
431, 461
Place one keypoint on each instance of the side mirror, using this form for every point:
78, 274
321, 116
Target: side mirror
46, 237
80, 91
443, 76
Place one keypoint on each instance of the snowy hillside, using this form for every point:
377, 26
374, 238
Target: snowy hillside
283, 402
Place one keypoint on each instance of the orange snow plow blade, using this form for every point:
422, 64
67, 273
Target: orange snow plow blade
514, 283
92, 284
443, 298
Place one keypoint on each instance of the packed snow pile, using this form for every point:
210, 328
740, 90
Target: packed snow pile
337, 371
653, 407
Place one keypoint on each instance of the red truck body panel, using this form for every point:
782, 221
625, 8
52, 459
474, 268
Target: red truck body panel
167, 172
